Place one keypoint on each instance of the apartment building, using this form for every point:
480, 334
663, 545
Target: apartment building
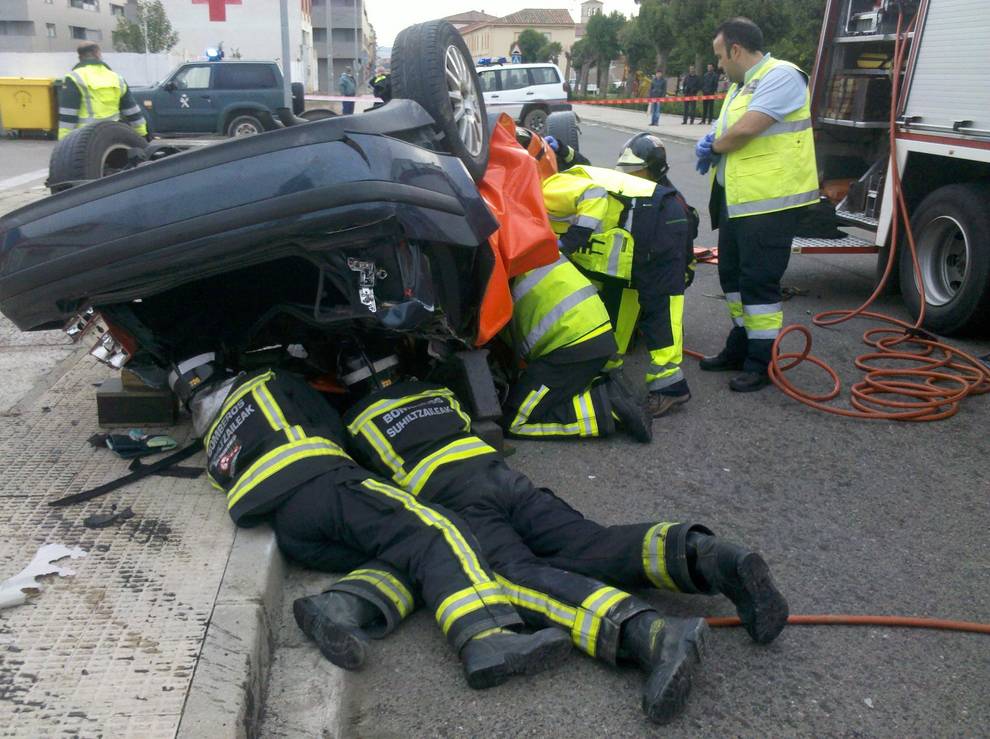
58, 25
343, 34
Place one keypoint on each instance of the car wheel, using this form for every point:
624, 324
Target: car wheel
952, 236
244, 125
563, 127
431, 65
536, 120
317, 114
94, 151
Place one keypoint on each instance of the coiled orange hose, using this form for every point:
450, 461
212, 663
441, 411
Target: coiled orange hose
844, 620
940, 376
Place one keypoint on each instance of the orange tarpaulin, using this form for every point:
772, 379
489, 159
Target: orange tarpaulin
524, 240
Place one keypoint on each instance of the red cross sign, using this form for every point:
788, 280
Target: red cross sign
218, 8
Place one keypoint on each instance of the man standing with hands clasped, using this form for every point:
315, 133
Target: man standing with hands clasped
763, 153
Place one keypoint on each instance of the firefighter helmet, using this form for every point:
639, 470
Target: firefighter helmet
644, 151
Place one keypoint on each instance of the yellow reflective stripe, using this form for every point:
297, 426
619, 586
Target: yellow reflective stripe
533, 600
581, 632
387, 584
462, 550
234, 397
521, 427
625, 322
388, 404
763, 321
654, 562
455, 451
460, 604
278, 459
271, 410
598, 604
386, 452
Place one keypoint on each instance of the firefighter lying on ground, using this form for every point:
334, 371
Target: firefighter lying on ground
560, 331
274, 447
551, 561
633, 235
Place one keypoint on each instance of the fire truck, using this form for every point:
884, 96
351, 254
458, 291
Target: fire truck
941, 143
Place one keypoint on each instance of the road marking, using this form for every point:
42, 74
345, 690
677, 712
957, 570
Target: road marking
23, 179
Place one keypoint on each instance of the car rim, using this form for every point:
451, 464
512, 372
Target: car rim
245, 129
114, 160
943, 257
537, 122
464, 100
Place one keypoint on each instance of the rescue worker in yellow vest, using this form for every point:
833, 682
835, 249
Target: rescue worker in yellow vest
274, 448
762, 153
561, 331
553, 562
633, 236
381, 85
93, 92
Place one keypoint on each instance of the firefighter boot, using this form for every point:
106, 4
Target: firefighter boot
334, 620
668, 650
743, 577
492, 657
731, 357
629, 413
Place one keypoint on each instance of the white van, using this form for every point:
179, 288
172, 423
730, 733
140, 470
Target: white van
527, 92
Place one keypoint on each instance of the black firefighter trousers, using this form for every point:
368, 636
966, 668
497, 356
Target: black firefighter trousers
553, 562
347, 516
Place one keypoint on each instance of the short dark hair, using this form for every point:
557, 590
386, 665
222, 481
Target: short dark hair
89, 49
740, 31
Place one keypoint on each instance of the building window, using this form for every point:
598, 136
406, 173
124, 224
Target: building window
93, 5
16, 28
50, 27
86, 34
117, 11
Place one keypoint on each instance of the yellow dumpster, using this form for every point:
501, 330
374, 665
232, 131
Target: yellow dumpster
28, 104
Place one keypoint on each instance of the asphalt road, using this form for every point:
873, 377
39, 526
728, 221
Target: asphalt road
854, 517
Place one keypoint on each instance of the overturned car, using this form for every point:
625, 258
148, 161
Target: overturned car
280, 247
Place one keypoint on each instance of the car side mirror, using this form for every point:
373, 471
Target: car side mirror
170, 86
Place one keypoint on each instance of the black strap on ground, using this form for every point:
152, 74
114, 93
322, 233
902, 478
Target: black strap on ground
144, 471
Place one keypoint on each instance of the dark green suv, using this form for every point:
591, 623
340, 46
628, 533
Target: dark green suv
236, 98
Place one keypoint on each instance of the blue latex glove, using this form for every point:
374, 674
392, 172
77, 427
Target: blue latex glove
703, 165
703, 149
552, 142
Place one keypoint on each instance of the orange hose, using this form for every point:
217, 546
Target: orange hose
844, 620
939, 376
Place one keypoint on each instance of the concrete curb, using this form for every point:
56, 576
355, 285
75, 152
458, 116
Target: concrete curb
227, 691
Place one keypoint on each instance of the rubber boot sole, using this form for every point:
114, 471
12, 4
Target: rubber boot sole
761, 607
541, 651
343, 646
669, 685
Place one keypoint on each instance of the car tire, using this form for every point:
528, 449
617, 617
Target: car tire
431, 65
91, 152
298, 98
562, 125
317, 114
952, 235
244, 125
535, 119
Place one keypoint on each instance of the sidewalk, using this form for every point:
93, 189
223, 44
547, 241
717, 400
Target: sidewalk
670, 126
168, 616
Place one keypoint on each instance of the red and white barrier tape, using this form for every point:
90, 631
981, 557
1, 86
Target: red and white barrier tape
676, 99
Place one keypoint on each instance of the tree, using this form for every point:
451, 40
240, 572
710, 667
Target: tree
640, 51
603, 37
129, 35
580, 58
530, 42
550, 52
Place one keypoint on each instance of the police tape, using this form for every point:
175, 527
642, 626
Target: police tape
673, 99
341, 98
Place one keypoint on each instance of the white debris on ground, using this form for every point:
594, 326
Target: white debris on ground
16, 590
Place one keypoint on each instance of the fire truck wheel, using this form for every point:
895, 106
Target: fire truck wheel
952, 233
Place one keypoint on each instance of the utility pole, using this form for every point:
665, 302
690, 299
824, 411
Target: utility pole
143, 10
286, 56
328, 6
357, 44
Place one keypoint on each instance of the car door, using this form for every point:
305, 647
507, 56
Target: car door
514, 89
546, 85
186, 103
243, 82
490, 90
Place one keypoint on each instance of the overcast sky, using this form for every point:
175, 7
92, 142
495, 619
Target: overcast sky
391, 16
